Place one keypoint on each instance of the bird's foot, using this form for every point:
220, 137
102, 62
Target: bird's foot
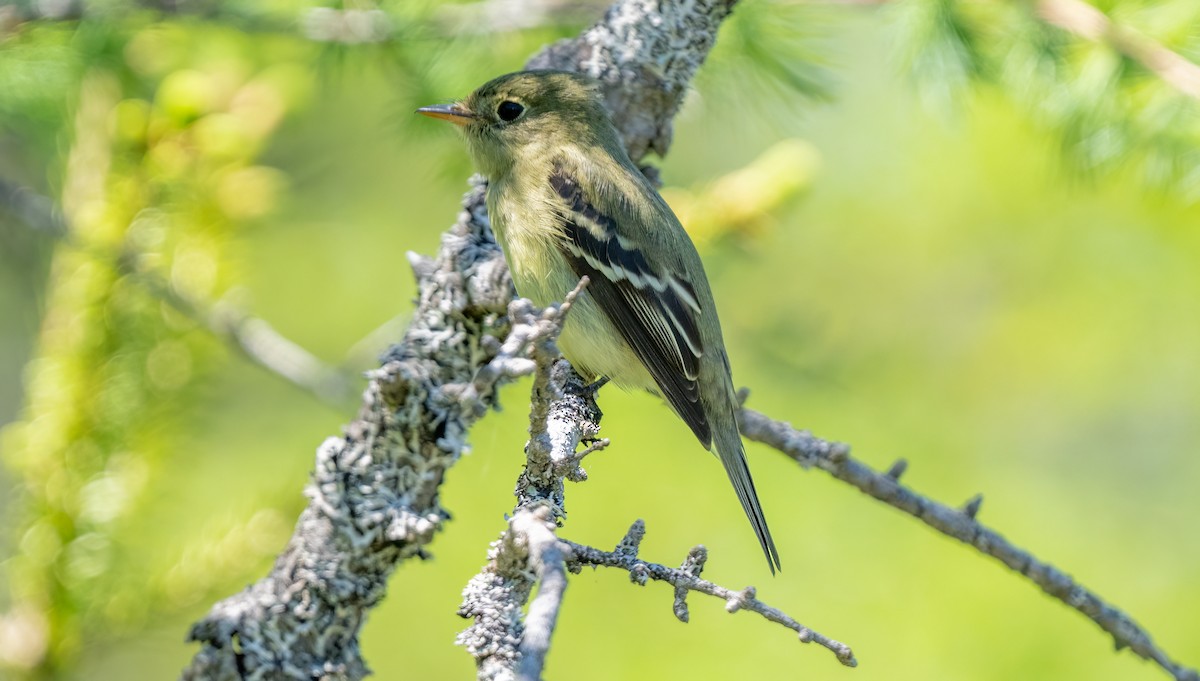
596, 385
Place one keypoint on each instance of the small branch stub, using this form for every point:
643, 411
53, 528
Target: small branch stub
631, 543
971, 508
693, 565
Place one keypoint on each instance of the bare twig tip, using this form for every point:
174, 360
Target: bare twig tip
557, 314
593, 448
422, 266
631, 543
971, 508
693, 564
681, 607
897, 469
579, 288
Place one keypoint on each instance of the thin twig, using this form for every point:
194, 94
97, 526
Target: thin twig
687, 578
255, 340
503, 643
562, 415
251, 337
1085, 21
834, 458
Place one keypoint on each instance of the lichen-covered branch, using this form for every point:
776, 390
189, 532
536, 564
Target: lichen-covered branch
505, 645
834, 458
374, 494
564, 414
528, 554
373, 500
686, 578
645, 54
547, 553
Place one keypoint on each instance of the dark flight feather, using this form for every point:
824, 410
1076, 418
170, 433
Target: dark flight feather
656, 314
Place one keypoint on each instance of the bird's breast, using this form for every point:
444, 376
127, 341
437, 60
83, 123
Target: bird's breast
529, 228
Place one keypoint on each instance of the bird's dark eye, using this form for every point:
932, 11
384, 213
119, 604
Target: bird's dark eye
509, 111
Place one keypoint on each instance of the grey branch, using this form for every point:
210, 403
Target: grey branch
645, 56
374, 495
834, 458
251, 337
256, 340
506, 647
528, 553
546, 553
563, 415
686, 578
373, 500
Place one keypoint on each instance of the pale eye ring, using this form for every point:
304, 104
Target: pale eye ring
509, 111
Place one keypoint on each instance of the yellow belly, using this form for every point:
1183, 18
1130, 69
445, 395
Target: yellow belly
589, 340
542, 274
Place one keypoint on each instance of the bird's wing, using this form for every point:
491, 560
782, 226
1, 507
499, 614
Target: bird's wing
654, 309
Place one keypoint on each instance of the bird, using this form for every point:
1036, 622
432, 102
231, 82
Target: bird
566, 202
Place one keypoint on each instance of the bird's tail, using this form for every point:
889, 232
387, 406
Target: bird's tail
729, 448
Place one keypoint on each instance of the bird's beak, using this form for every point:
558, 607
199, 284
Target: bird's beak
456, 113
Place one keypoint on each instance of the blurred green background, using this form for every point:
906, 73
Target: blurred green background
940, 232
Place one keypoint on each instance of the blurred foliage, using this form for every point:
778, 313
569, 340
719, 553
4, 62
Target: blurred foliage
159, 171
775, 48
1111, 111
953, 296
741, 204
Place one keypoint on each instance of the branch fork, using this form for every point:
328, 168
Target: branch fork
374, 501
686, 578
563, 415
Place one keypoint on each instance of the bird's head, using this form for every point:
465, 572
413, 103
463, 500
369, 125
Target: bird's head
526, 115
